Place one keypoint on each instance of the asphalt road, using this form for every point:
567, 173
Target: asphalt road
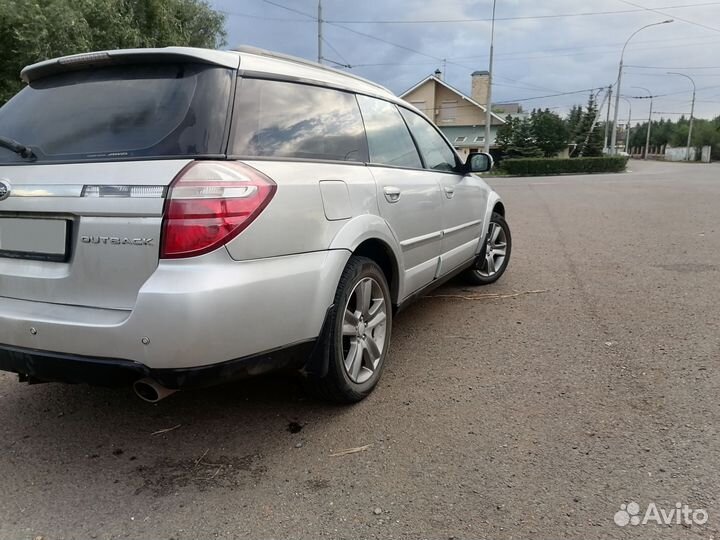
528, 416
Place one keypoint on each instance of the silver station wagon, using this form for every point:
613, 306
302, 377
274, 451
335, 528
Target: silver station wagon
180, 217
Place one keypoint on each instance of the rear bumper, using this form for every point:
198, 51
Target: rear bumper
43, 366
191, 313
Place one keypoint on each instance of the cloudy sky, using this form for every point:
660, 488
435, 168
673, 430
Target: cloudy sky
541, 48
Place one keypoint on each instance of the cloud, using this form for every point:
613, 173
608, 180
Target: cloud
533, 57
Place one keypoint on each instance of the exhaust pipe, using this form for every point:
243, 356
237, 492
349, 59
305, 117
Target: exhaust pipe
150, 391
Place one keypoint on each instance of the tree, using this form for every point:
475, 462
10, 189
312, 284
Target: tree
549, 132
31, 31
504, 134
590, 141
573, 123
522, 142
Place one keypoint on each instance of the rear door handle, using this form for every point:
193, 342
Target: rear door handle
449, 192
392, 194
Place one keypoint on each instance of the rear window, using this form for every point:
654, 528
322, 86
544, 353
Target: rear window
121, 112
282, 119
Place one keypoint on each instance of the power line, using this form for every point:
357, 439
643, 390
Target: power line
398, 45
510, 56
382, 40
363, 34
688, 101
672, 93
527, 85
346, 64
685, 91
514, 101
645, 74
521, 84
612, 46
437, 58
262, 17
657, 10
290, 9
521, 18
312, 18
550, 95
520, 87
683, 68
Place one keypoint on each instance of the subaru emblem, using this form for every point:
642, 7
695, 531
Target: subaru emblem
4, 190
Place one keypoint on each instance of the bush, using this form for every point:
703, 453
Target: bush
547, 166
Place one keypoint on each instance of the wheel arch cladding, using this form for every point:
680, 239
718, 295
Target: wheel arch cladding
493, 204
382, 254
372, 235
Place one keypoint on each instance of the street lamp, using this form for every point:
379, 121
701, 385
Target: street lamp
488, 105
692, 110
647, 137
627, 130
613, 138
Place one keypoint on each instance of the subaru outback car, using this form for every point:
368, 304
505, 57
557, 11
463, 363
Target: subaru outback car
180, 217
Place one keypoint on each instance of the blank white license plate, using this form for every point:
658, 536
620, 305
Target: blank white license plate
44, 239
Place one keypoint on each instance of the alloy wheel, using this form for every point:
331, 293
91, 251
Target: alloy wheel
364, 330
495, 251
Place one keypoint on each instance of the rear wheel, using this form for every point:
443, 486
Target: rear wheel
495, 255
360, 334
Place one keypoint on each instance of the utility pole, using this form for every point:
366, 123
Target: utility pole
320, 30
606, 150
692, 112
647, 137
488, 105
629, 128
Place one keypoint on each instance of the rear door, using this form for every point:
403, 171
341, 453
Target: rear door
408, 197
81, 219
464, 197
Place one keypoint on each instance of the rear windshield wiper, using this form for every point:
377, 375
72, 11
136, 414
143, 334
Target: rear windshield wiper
19, 148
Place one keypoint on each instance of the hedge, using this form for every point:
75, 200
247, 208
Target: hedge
547, 166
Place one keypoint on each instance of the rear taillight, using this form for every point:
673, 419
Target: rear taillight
209, 204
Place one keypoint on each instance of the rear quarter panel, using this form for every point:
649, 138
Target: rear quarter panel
296, 220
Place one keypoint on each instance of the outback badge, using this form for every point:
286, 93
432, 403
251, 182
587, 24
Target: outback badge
116, 240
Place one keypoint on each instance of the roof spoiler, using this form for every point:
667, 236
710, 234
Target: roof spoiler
128, 56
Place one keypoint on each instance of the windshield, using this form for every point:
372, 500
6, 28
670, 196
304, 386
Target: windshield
120, 112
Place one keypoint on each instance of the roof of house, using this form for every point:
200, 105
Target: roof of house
508, 108
452, 89
465, 136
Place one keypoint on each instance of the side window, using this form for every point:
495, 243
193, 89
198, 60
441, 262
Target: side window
435, 151
283, 119
388, 138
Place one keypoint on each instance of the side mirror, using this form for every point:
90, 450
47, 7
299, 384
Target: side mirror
478, 162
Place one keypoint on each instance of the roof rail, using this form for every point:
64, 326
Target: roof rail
249, 49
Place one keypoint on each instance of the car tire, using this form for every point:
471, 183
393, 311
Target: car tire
495, 255
357, 342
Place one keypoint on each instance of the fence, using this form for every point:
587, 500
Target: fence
670, 153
